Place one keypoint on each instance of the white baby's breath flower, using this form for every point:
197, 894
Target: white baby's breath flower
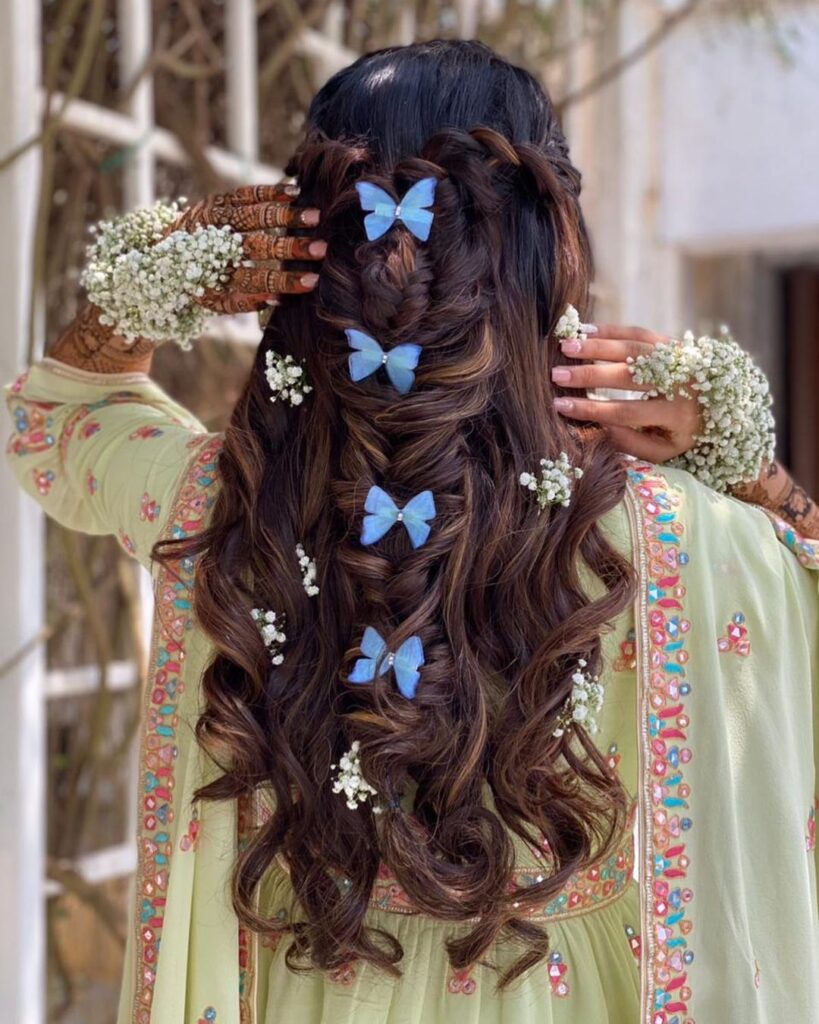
556, 482
285, 377
308, 571
583, 704
271, 628
738, 427
350, 781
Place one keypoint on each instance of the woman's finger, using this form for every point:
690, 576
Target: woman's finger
621, 413
608, 375
233, 302
281, 193
261, 215
612, 350
618, 332
258, 245
259, 280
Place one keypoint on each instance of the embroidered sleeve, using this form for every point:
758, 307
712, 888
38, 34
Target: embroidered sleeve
102, 453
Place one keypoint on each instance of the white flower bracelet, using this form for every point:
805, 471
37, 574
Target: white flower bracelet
738, 435
147, 283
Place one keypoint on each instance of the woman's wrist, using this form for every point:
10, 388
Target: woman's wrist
777, 491
91, 345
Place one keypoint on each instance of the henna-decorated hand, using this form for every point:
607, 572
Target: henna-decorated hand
252, 211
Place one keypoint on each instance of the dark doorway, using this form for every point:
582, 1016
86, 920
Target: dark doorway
800, 423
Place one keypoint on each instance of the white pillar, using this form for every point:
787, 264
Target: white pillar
242, 82
22, 705
134, 24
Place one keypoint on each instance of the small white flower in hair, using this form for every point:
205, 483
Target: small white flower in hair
557, 477
584, 702
308, 571
350, 781
270, 626
286, 378
570, 327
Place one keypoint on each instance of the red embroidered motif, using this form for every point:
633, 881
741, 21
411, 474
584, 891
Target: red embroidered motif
557, 975
810, 837
144, 433
126, 542
627, 659
663, 735
91, 483
89, 429
188, 840
736, 639
43, 479
461, 983
344, 975
634, 942
148, 509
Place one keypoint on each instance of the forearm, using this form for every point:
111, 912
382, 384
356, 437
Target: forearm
90, 345
777, 491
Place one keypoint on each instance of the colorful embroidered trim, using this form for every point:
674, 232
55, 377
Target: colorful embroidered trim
158, 743
587, 890
663, 755
805, 549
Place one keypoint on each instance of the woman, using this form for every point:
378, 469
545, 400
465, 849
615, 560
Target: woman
329, 833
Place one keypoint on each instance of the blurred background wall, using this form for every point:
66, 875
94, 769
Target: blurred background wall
695, 125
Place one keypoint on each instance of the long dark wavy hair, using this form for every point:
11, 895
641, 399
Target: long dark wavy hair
504, 598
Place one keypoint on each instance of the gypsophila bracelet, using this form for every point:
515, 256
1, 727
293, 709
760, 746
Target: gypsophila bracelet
584, 702
147, 283
556, 481
738, 427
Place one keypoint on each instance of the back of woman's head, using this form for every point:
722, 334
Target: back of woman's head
497, 593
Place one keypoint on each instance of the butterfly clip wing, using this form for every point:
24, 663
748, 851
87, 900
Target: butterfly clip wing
400, 366
382, 513
374, 649
367, 355
417, 512
408, 659
412, 208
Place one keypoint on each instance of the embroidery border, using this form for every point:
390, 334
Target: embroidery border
154, 847
664, 989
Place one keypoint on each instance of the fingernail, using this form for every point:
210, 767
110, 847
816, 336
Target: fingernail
310, 217
291, 190
317, 248
588, 329
561, 375
309, 280
564, 404
571, 346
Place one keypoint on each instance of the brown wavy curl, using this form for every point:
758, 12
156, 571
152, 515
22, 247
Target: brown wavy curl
495, 594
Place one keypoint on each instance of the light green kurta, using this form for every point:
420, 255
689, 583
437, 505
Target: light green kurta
711, 717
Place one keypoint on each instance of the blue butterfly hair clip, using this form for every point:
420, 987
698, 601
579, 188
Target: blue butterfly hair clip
404, 662
384, 513
410, 210
399, 362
